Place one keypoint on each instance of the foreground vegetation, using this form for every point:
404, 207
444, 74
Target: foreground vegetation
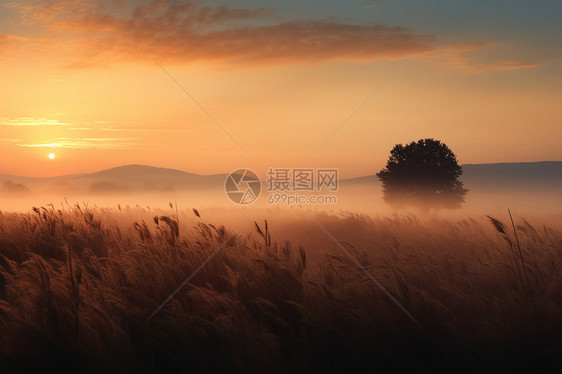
80, 288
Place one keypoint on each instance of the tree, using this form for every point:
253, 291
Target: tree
423, 174
15, 189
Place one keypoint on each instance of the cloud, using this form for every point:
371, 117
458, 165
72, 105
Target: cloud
509, 65
84, 143
11, 44
128, 129
464, 57
176, 32
29, 121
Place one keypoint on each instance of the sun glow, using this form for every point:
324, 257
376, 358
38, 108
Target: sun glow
52, 156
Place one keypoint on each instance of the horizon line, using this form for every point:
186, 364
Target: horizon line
227, 173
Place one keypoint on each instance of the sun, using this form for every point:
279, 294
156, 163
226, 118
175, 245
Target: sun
52, 156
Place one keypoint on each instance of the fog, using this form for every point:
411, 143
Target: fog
543, 204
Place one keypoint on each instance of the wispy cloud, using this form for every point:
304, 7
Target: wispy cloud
10, 44
29, 121
464, 57
9, 141
504, 65
85, 143
128, 129
87, 126
179, 32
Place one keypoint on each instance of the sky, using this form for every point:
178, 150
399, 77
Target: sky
213, 86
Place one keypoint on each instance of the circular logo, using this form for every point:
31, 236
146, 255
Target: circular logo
242, 186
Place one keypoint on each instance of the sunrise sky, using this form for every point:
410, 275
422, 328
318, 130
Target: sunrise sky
82, 80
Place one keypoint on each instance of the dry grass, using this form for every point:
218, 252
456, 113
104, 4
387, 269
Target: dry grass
77, 285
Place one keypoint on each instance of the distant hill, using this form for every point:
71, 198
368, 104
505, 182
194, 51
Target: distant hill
150, 178
498, 176
122, 179
135, 170
519, 175
143, 178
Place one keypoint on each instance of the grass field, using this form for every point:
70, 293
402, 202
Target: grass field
82, 290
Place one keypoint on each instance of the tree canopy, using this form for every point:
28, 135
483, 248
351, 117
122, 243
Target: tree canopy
424, 174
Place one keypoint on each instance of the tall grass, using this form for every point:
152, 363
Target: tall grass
78, 283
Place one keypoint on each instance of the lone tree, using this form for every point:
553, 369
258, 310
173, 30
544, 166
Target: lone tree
423, 174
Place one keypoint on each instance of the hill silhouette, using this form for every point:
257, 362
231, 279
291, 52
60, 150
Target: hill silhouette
127, 178
143, 178
495, 176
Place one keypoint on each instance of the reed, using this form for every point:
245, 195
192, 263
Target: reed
78, 283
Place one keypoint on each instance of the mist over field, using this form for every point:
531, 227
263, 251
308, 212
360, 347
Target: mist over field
125, 288
530, 188
115, 269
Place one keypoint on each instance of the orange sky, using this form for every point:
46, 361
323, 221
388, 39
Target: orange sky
78, 81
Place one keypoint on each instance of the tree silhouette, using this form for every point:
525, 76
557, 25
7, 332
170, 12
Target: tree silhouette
15, 189
423, 174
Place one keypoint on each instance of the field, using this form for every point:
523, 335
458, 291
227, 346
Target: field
86, 289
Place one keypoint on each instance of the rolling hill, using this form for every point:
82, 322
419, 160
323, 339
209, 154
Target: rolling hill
498, 176
142, 178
